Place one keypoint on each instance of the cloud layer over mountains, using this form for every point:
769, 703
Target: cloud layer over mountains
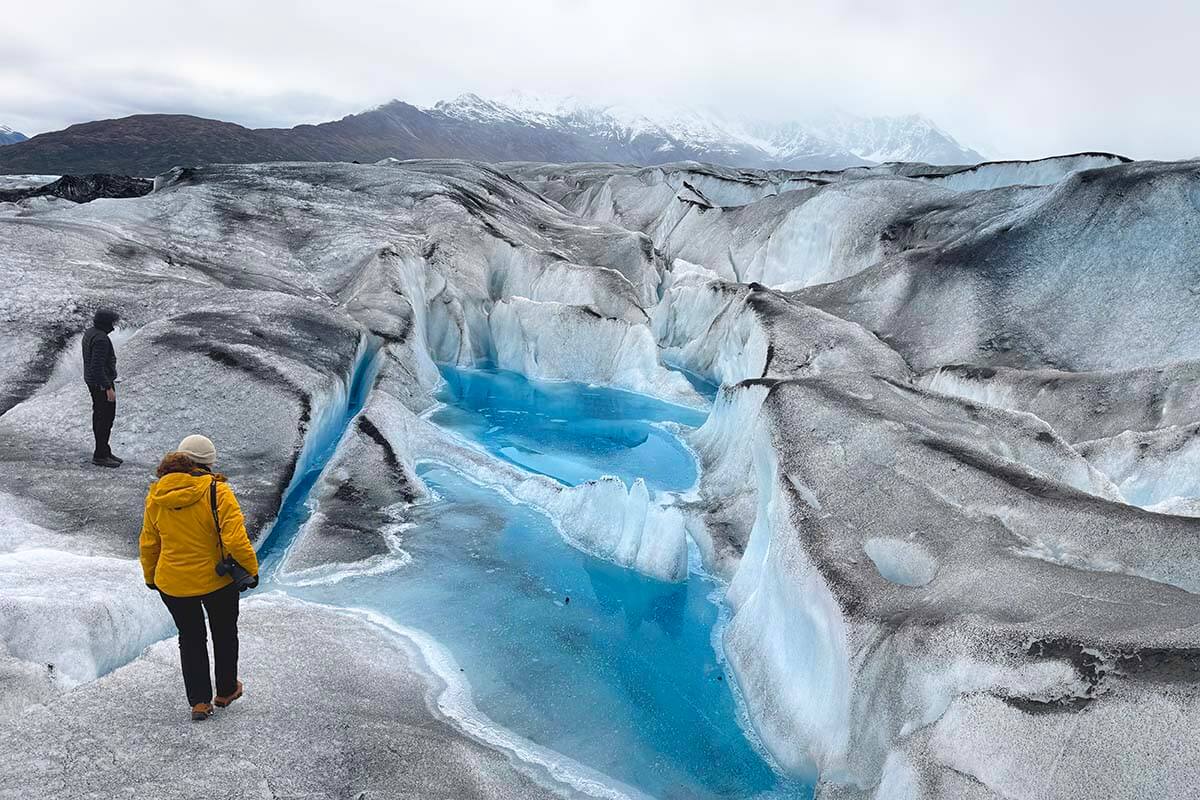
1018, 80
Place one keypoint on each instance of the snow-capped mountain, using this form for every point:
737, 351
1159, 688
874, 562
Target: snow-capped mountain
687, 126
911, 137
516, 128
9, 136
832, 139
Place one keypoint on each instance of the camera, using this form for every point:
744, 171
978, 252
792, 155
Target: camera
241, 577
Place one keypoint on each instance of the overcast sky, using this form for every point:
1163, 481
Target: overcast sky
1012, 79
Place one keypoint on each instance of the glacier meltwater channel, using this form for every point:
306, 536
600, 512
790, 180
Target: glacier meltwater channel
618, 672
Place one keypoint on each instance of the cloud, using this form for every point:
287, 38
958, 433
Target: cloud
1015, 79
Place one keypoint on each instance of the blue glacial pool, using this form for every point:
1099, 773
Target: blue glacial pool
568, 431
614, 670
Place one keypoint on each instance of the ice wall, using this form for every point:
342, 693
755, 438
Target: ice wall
727, 499
787, 641
584, 310
1158, 469
67, 618
997, 174
357, 507
328, 414
603, 289
700, 325
552, 341
624, 525
847, 480
798, 238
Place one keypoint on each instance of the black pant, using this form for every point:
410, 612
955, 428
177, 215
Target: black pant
188, 612
104, 412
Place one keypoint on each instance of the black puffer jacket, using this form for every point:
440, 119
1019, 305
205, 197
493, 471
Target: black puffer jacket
99, 358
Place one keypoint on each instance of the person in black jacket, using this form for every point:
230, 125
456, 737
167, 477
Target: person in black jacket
100, 375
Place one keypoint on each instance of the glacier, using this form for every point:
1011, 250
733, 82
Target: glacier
935, 535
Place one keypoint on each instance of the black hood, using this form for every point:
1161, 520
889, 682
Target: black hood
105, 319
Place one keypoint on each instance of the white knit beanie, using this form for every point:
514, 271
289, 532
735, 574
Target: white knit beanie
199, 449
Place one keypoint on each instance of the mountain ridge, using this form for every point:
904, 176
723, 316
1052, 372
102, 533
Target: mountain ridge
472, 127
829, 135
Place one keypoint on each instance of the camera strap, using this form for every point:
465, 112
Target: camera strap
212, 501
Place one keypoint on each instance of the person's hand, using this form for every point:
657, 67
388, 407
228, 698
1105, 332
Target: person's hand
253, 585
111, 394
152, 587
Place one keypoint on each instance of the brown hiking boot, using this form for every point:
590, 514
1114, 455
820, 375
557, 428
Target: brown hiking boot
224, 700
201, 711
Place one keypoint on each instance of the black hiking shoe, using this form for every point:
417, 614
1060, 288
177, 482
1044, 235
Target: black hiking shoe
107, 461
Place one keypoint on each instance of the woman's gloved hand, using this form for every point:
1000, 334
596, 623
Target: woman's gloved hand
252, 585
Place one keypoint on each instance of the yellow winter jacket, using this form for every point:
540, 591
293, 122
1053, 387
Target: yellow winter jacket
179, 539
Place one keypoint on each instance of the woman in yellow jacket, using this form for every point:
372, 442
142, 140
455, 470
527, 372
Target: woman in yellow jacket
180, 549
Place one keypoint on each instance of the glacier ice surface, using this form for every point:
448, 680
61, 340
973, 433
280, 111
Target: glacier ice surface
944, 388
